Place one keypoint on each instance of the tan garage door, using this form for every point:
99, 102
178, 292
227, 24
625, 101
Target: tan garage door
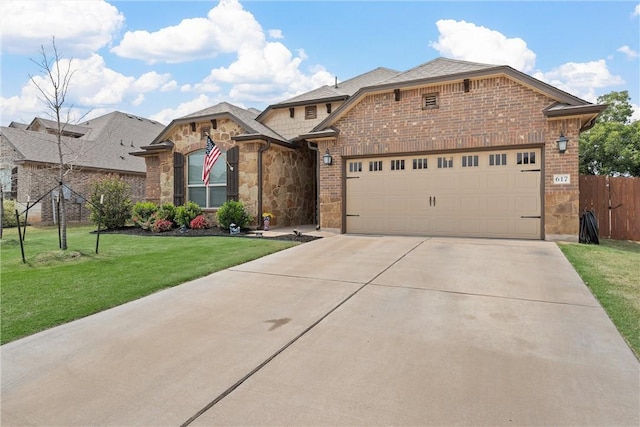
476, 194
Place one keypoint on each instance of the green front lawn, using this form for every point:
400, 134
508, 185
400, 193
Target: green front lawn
612, 271
56, 287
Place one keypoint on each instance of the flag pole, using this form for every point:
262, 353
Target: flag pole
221, 153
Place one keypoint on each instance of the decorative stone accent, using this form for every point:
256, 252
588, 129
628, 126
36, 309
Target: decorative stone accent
288, 173
288, 185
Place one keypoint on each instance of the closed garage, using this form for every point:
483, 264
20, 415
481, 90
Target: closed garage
493, 193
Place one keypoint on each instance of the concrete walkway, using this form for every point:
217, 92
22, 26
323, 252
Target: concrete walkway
347, 330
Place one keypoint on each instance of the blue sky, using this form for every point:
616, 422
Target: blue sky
165, 59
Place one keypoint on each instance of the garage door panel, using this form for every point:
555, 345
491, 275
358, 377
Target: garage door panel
479, 200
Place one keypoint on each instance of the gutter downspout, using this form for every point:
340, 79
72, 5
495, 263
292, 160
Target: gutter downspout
317, 183
260, 151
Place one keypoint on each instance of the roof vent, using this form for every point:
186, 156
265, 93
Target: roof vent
336, 85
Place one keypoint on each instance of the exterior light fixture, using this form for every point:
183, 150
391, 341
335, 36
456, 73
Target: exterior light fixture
327, 159
562, 143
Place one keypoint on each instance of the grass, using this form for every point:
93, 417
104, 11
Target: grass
56, 287
612, 271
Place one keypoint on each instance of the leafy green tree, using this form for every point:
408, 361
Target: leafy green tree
619, 107
612, 145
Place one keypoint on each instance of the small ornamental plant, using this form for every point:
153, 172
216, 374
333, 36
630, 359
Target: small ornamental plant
268, 215
162, 225
144, 215
233, 212
187, 213
199, 223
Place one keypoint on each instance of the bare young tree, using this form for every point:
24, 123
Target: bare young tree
54, 94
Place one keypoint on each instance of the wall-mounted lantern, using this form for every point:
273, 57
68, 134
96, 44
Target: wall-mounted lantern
327, 159
562, 143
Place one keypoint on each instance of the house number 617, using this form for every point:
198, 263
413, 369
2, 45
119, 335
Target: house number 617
562, 179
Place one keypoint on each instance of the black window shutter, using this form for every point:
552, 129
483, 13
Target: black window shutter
178, 179
233, 157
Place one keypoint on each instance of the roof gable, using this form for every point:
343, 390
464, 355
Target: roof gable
245, 118
442, 70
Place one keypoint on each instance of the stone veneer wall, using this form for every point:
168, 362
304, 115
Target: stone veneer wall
289, 185
288, 174
496, 112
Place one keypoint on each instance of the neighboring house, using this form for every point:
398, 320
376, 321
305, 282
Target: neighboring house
449, 148
92, 150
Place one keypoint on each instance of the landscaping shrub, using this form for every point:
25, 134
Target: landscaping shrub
115, 210
167, 211
187, 213
9, 214
233, 212
162, 225
144, 215
199, 223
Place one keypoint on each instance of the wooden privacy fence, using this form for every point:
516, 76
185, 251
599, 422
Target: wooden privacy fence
616, 203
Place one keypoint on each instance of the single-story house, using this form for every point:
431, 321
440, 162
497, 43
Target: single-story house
448, 148
92, 150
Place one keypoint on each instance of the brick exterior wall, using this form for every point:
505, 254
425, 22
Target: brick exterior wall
36, 180
288, 174
496, 112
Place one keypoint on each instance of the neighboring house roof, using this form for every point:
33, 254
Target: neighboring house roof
18, 125
444, 69
245, 118
67, 128
105, 145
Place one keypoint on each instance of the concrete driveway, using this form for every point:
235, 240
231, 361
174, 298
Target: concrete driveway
346, 330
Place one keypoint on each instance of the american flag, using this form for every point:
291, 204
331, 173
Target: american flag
210, 156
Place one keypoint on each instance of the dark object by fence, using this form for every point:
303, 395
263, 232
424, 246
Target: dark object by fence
589, 228
616, 204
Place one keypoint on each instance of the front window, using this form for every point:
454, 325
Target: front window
215, 194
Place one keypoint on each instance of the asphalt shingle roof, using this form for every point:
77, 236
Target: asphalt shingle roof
437, 68
106, 145
343, 89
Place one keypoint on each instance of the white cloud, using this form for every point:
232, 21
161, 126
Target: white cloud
226, 28
168, 87
78, 27
266, 74
636, 11
467, 41
152, 81
630, 53
139, 100
581, 79
196, 104
276, 34
93, 86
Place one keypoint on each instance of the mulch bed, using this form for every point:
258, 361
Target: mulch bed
213, 231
